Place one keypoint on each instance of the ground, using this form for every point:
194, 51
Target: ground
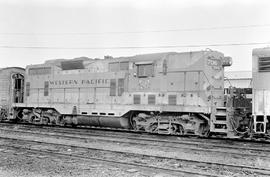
15, 163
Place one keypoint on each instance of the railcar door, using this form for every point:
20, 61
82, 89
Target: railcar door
17, 88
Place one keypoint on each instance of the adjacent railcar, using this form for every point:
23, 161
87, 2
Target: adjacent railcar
11, 89
261, 90
172, 93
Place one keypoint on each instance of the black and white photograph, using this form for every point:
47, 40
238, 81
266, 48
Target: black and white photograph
134, 88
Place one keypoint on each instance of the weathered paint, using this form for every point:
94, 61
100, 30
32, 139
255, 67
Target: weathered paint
195, 78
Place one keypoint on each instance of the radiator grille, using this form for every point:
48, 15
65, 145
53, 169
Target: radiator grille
137, 99
172, 99
151, 99
264, 64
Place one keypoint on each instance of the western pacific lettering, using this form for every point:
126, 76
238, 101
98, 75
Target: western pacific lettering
79, 82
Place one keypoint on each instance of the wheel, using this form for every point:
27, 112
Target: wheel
3, 114
153, 128
32, 118
45, 120
178, 129
204, 130
131, 121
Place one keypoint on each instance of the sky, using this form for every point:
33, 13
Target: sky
32, 31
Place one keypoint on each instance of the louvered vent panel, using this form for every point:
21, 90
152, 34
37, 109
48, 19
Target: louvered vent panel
151, 99
264, 64
72, 65
172, 99
137, 99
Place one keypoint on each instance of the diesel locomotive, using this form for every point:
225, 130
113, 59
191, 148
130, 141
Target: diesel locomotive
165, 93
261, 90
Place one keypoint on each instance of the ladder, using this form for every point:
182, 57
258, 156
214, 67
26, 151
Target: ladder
219, 122
260, 123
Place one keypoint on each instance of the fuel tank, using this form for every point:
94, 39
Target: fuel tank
102, 121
